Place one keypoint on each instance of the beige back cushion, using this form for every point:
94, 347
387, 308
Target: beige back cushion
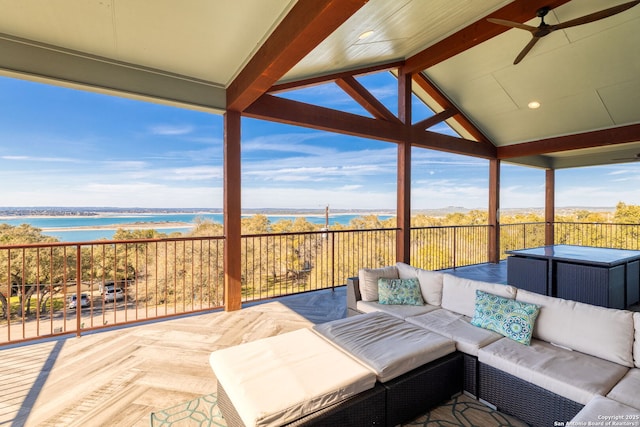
636, 346
459, 294
406, 271
431, 285
602, 332
368, 278
430, 282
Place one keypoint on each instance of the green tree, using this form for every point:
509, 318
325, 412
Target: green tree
626, 214
206, 227
256, 224
26, 271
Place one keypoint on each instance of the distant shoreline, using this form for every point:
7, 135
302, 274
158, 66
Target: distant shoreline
126, 226
143, 214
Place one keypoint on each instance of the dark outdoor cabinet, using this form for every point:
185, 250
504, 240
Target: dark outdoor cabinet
528, 274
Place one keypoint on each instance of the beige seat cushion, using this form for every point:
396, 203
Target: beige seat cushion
282, 378
576, 376
459, 294
368, 280
399, 311
601, 411
468, 338
627, 390
583, 327
388, 345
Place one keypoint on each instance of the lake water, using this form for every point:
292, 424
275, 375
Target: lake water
58, 226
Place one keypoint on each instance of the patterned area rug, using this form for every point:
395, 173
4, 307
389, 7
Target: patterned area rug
460, 411
202, 411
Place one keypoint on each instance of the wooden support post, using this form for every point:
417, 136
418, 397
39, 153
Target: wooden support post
549, 206
232, 212
494, 211
403, 238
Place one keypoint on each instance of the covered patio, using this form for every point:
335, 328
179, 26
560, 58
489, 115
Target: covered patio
240, 56
120, 376
236, 59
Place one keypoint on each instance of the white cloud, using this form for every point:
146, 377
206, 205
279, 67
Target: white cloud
40, 159
384, 92
515, 196
288, 143
125, 164
350, 187
194, 173
121, 195
311, 198
312, 174
171, 130
448, 192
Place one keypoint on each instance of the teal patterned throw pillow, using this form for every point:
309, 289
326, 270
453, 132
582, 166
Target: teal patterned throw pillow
399, 291
511, 318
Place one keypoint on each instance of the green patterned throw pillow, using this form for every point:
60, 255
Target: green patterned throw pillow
399, 291
508, 317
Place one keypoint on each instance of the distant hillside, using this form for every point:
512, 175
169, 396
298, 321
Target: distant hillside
511, 211
440, 212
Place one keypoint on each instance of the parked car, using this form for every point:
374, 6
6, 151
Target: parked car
112, 294
73, 301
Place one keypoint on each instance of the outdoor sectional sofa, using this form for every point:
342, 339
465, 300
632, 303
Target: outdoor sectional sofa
582, 363
387, 363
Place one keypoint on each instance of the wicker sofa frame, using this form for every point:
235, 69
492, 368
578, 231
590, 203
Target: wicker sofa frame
530, 403
364, 409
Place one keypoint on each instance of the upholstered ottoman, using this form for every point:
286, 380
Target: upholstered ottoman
418, 368
297, 378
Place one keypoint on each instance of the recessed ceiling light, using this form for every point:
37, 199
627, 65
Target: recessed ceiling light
365, 35
533, 105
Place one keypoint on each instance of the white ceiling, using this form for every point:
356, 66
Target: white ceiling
401, 28
585, 77
201, 39
187, 53
182, 53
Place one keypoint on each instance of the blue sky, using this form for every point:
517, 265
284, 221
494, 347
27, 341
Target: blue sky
64, 147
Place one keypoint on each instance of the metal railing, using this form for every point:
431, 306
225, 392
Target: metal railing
168, 277
61, 288
521, 236
286, 263
438, 248
606, 235
69, 288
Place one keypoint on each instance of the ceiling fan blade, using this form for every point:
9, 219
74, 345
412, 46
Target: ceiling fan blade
526, 49
596, 15
512, 24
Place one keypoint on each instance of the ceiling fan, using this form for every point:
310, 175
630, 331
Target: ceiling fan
544, 29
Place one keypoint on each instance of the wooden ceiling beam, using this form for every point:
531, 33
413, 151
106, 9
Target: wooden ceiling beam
598, 138
281, 110
476, 33
287, 111
307, 24
363, 97
439, 97
313, 81
435, 119
450, 144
